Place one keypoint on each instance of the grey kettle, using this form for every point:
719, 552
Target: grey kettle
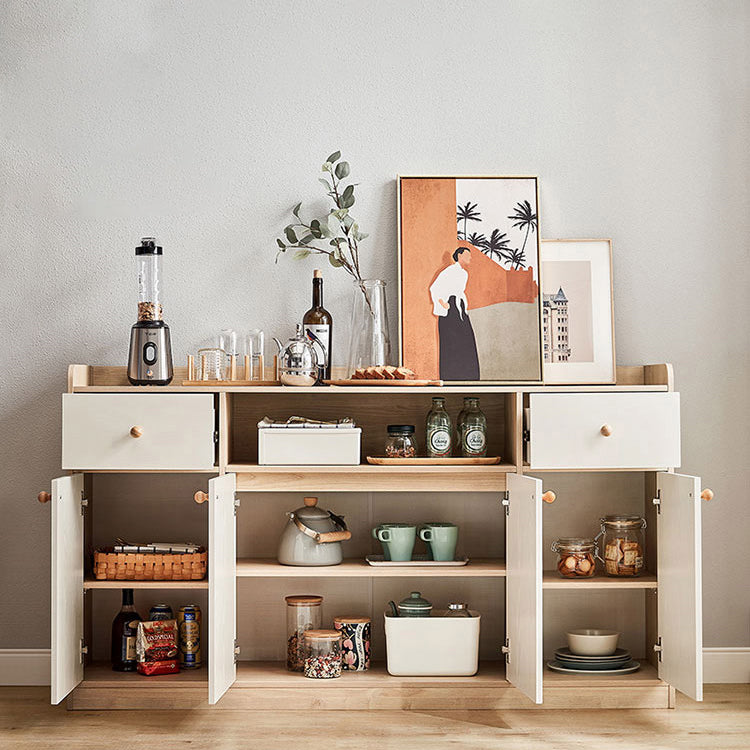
312, 536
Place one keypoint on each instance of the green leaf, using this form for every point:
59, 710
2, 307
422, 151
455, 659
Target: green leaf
301, 254
340, 213
348, 221
325, 183
281, 244
327, 167
347, 198
290, 235
342, 169
334, 225
305, 239
335, 262
315, 229
334, 157
296, 209
324, 228
361, 236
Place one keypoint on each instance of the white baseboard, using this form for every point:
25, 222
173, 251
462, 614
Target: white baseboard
30, 666
24, 666
726, 664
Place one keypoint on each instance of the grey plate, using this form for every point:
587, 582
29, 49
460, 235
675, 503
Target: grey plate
598, 666
566, 653
631, 666
418, 561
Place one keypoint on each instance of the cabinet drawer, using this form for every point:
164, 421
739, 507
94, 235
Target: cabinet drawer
176, 431
568, 430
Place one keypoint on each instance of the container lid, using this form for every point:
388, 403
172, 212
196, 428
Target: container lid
623, 522
403, 429
322, 635
303, 600
573, 543
415, 601
310, 511
352, 620
148, 246
457, 605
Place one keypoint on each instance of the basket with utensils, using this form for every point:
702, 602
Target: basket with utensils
151, 562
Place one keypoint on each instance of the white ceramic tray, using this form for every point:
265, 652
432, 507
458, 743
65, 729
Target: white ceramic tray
419, 561
632, 666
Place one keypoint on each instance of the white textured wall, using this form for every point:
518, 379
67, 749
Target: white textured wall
203, 122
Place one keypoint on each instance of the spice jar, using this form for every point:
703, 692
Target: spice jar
302, 614
624, 544
322, 654
355, 644
577, 557
401, 442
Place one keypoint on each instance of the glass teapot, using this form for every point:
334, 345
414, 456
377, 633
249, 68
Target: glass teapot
298, 360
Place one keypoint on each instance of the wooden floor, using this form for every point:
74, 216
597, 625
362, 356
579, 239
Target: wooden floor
721, 721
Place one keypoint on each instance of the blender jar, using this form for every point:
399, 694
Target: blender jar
148, 259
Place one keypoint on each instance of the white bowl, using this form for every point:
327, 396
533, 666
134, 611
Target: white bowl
592, 642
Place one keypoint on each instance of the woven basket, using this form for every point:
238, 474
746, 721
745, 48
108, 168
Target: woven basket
121, 566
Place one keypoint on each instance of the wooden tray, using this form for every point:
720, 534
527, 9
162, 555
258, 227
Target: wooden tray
418, 561
423, 461
383, 382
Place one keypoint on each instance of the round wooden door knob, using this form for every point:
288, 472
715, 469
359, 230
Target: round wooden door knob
549, 496
606, 430
200, 497
707, 495
44, 497
136, 431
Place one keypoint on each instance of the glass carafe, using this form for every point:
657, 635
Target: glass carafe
369, 342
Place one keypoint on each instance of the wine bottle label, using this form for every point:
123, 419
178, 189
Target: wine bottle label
320, 337
474, 441
128, 648
439, 442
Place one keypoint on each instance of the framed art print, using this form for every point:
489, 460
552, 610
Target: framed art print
469, 302
578, 337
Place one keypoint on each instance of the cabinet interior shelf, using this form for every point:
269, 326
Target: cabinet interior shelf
552, 580
93, 583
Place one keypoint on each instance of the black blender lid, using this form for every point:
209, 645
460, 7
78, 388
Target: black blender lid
148, 246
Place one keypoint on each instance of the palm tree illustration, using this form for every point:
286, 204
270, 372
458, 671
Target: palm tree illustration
478, 240
496, 246
524, 218
517, 259
467, 213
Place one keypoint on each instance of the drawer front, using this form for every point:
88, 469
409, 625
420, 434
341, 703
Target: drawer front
176, 431
568, 430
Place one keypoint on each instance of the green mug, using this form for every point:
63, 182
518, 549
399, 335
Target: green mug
441, 540
397, 539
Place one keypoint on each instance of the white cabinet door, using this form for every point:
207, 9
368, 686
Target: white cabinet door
523, 559
679, 571
222, 586
67, 586
604, 430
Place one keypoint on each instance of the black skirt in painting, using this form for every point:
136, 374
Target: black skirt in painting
458, 346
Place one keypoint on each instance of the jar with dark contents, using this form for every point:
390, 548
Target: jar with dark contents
302, 614
401, 442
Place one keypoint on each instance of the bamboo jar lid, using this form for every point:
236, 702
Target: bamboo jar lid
304, 600
322, 635
352, 620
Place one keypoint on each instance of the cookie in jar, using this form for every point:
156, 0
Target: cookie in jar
623, 542
576, 557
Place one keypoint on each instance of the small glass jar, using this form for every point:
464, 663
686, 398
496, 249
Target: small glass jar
401, 442
577, 557
302, 614
322, 654
458, 609
624, 545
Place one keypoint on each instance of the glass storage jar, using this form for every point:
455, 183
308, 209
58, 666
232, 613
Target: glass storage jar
401, 442
322, 654
624, 545
577, 557
302, 614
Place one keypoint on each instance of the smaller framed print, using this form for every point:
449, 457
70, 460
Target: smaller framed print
578, 338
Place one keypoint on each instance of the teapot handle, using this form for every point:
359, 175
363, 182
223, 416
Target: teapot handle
333, 536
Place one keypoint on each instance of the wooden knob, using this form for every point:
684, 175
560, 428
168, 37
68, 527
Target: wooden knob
705, 495
606, 430
311, 501
136, 431
200, 497
549, 496
45, 497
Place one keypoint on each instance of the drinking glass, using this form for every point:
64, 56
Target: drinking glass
212, 364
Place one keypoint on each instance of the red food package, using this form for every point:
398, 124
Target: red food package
170, 666
156, 647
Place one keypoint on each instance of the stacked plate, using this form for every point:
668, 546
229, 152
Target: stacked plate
619, 662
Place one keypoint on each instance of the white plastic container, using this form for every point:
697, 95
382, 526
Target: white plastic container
435, 646
305, 446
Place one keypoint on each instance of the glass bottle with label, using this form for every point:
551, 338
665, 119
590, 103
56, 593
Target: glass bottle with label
124, 628
472, 429
318, 324
439, 430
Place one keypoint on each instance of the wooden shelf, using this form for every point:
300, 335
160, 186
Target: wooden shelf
370, 478
552, 580
356, 568
93, 583
101, 674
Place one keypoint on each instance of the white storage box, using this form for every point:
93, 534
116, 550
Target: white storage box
305, 446
435, 646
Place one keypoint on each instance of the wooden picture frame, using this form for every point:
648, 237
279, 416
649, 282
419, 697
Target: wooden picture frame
578, 354
501, 344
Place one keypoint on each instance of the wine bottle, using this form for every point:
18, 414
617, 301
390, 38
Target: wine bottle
318, 325
124, 629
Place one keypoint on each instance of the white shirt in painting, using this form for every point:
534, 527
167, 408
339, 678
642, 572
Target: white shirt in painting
451, 281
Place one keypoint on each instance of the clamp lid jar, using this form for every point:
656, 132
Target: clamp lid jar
624, 543
577, 557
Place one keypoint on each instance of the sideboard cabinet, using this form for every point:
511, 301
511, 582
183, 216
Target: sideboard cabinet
138, 457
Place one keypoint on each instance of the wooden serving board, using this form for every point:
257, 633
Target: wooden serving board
350, 381
424, 461
222, 383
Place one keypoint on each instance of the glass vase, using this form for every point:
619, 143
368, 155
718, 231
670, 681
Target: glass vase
369, 343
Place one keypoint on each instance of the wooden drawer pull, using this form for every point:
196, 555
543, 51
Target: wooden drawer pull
136, 431
549, 496
44, 497
707, 495
606, 430
200, 497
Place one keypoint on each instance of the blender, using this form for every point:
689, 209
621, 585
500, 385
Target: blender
150, 358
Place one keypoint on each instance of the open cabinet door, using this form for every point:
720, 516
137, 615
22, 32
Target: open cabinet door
523, 601
679, 592
66, 639
222, 586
